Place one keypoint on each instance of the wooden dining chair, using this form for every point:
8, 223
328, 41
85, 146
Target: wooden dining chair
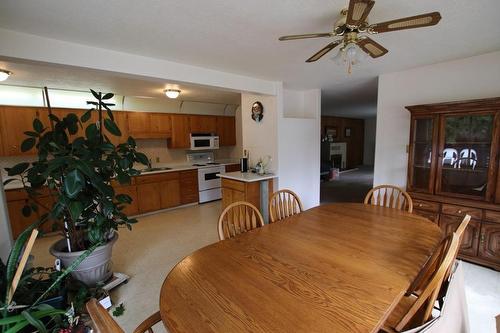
104, 323
237, 218
284, 203
389, 196
412, 310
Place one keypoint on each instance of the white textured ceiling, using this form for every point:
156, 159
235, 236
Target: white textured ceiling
35, 74
241, 36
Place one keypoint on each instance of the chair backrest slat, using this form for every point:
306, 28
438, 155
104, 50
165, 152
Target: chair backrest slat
389, 196
238, 218
284, 203
430, 292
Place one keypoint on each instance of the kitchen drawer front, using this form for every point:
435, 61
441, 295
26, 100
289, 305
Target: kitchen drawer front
233, 184
426, 205
434, 217
491, 216
461, 211
470, 238
156, 178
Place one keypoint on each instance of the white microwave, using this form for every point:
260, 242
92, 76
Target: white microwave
204, 141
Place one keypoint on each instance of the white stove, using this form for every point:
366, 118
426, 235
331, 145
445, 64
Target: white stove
208, 183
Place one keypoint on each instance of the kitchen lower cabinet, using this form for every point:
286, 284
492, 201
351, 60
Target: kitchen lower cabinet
233, 190
16, 200
149, 197
189, 192
170, 195
130, 190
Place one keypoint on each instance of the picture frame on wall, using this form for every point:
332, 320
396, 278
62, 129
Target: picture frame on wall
331, 132
347, 132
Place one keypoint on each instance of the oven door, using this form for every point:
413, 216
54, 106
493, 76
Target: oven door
207, 178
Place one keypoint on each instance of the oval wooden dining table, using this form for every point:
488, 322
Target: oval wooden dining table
333, 268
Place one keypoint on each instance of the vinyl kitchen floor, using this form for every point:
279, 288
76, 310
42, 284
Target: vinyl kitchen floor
161, 240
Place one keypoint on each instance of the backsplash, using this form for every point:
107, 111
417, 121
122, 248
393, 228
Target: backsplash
152, 148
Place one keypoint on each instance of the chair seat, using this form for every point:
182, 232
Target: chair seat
399, 311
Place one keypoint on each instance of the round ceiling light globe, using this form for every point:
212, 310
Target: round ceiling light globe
172, 93
4, 75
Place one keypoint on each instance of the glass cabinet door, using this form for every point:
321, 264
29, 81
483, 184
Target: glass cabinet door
420, 177
465, 154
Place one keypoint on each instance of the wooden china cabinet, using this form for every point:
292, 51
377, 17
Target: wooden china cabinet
453, 170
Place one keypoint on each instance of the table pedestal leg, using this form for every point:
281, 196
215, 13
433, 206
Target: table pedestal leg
264, 199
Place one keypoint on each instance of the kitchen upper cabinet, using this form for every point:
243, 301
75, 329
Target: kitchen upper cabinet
121, 120
14, 121
203, 124
146, 125
180, 132
226, 130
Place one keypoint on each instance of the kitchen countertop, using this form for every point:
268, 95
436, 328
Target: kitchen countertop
247, 177
174, 167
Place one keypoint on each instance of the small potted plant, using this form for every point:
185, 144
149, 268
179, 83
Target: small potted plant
78, 173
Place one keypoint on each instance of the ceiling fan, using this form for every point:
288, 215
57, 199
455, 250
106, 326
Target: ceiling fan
353, 27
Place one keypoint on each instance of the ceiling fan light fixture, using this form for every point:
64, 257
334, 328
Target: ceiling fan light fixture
172, 93
4, 74
349, 55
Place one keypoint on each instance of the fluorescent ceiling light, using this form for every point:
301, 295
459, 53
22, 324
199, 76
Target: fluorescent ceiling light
4, 75
172, 93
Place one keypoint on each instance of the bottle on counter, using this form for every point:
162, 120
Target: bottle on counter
244, 161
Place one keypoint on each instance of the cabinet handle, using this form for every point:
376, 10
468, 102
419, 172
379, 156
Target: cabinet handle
482, 238
459, 211
420, 205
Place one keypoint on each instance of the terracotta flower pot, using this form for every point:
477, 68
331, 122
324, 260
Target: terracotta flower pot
94, 269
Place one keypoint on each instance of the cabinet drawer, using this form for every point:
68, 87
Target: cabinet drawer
233, 184
434, 217
461, 211
426, 205
156, 178
492, 216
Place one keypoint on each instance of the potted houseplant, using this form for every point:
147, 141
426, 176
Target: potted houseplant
78, 173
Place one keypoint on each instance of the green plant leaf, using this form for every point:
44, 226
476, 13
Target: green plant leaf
26, 211
91, 132
111, 126
108, 96
124, 198
73, 183
110, 115
34, 321
86, 116
17, 169
55, 118
75, 209
142, 158
31, 133
96, 95
37, 125
28, 144
119, 310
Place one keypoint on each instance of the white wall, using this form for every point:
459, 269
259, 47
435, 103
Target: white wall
469, 78
369, 144
260, 138
299, 144
5, 233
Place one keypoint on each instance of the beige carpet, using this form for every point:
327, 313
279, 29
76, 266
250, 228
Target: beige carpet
159, 241
148, 253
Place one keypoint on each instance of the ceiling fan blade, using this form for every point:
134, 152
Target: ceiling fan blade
293, 37
418, 21
324, 51
371, 47
358, 12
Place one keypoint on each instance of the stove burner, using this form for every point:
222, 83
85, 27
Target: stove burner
213, 163
198, 164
